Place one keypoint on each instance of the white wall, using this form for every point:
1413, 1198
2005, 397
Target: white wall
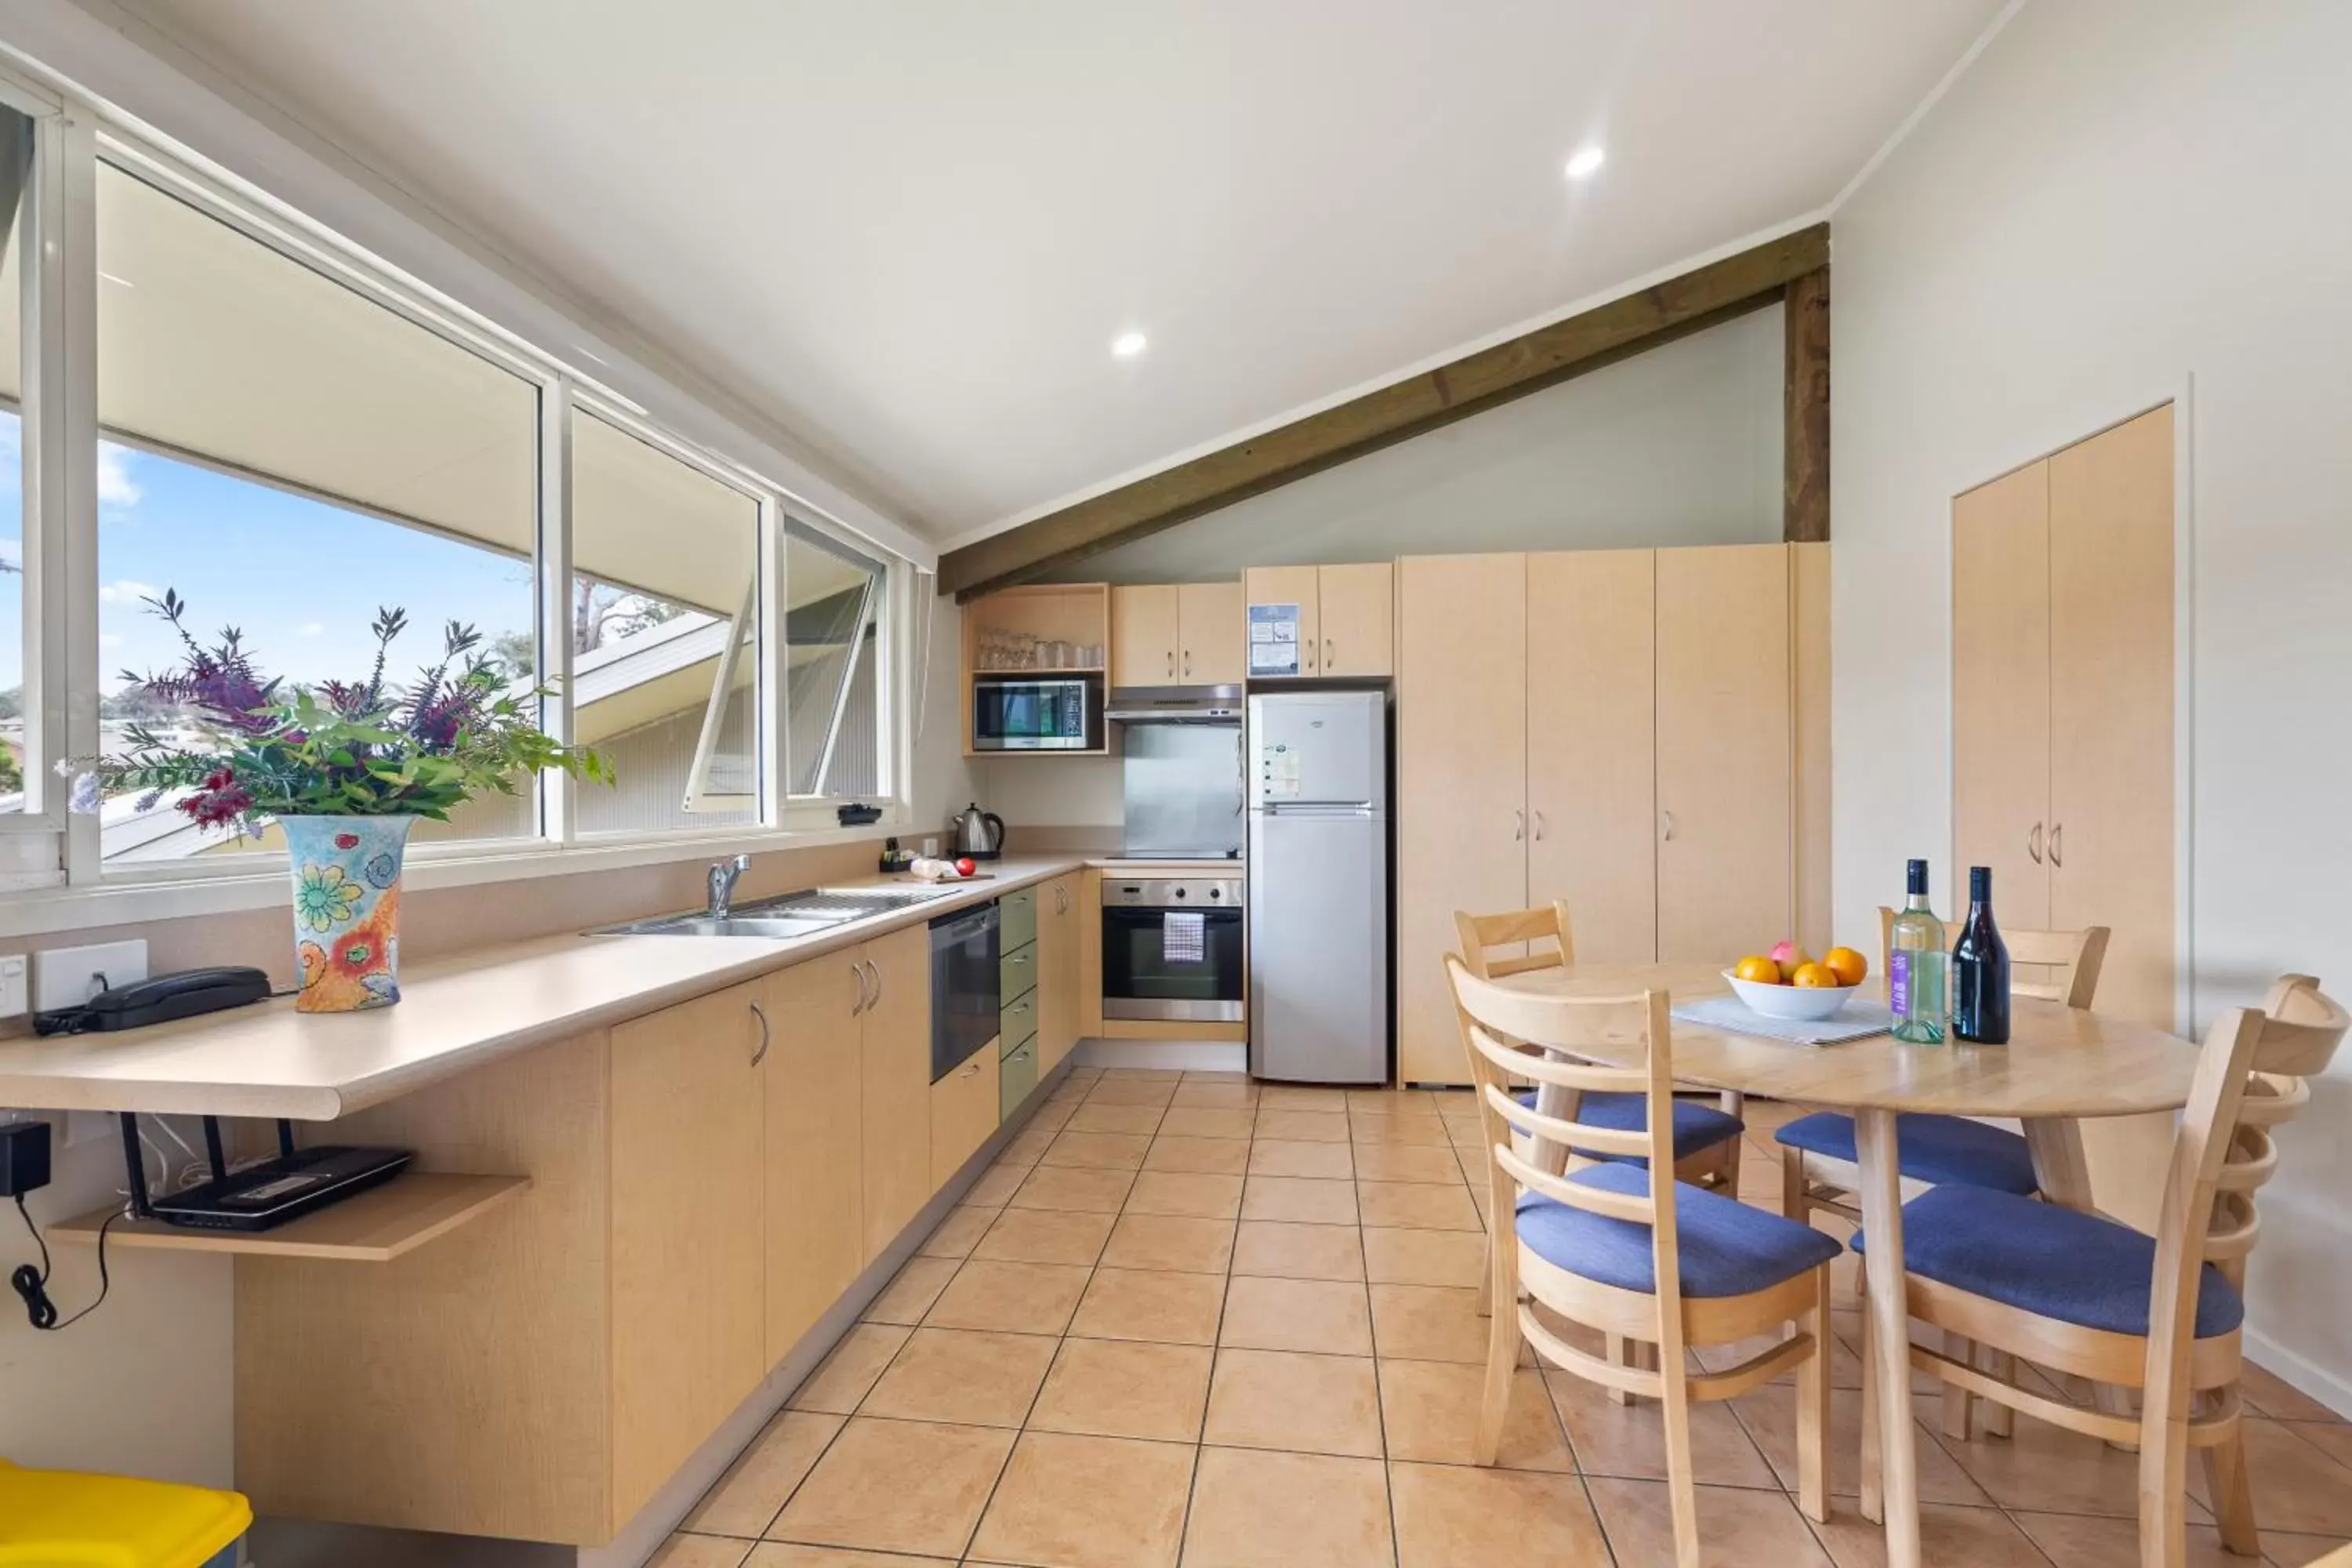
2121, 197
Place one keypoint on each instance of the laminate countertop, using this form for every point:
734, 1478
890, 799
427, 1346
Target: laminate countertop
455, 1014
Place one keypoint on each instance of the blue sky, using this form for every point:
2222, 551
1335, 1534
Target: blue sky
302, 579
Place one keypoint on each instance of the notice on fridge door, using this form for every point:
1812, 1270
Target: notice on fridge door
1273, 640
1278, 767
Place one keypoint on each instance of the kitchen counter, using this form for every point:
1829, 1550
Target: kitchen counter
455, 1014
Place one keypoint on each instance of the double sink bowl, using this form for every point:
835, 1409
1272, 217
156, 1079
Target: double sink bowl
803, 913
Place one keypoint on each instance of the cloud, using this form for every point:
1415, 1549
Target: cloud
116, 488
126, 591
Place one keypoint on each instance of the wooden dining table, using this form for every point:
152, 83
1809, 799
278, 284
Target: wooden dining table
2061, 1065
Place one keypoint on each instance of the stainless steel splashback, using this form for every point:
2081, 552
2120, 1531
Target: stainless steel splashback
1183, 784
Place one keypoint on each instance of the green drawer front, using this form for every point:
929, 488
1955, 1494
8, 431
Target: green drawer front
1016, 972
1016, 1076
1017, 1023
1017, 915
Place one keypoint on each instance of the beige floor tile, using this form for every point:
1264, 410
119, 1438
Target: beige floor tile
959, 1232
963, 1375
1098, 1150
1073, 1187
1186, 1193
912, 1290
2042, 1470
897, 1486
1423, 1256
1290, 1157
1769, 1414
763, 1475
1010, 1297
1430, 1412
2297, 1487
1045, 1236
1297, 1315
2333, 1438
2285, 1550
1301, 1126
1192, 1096
1629, 1440
1054, 1115
1300, 1200
2270, 1394
1096, 1116
1390, 1102
1450, 1517
997, 1185
1734, 1526
1124, 1091
1297, 1097
1277, 1249
1949, 1537
785, 1554
1305, 1404
1150, 1304
851, 1367
1207, 1122
1411, 1131
1407, 1163
1179, 1242
1428, 1323
1126, 1388
1208, 1156
1088, 1502
1416, 1206
700, 1552
2085, 1540
1257, 1510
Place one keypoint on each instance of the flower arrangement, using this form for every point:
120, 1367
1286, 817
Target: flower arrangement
265, 749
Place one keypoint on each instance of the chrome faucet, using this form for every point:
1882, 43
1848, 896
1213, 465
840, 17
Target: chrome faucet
722, 884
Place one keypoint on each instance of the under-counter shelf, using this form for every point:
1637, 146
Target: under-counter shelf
376, 1226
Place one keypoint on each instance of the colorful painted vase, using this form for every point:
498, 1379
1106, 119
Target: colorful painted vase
347, 908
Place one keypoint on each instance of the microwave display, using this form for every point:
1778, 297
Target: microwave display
1057, 714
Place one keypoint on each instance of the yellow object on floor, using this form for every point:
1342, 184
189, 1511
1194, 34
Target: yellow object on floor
53, 1518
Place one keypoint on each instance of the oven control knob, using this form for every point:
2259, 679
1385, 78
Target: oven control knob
1180, 893
1216, 893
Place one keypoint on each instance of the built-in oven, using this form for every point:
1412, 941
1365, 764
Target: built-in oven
1172, 948
1037, 713
966, 986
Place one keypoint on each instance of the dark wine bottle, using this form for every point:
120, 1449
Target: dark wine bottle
1981, 969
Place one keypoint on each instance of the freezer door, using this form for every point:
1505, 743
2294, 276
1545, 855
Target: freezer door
1318, 1009
1310, 747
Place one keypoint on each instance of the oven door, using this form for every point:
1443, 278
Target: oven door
1151, 970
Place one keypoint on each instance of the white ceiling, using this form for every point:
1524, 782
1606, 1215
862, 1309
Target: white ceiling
908, 231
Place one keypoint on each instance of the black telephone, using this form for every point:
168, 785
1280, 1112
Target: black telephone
159, 1000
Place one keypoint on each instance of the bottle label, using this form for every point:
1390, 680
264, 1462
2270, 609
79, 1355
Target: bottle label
1899, 984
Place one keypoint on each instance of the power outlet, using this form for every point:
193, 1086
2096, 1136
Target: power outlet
69, 976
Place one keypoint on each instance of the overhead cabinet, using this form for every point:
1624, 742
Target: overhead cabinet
1172, 634
1346, 615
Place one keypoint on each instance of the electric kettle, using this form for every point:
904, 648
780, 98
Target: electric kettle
979, 834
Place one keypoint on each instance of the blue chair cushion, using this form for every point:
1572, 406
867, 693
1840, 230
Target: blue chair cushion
1930, 1147
2044, 1259
1697, 1126
1728, 1247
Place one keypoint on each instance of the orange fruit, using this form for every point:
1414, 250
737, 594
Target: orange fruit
1762, 971
1814, 977
1849, 967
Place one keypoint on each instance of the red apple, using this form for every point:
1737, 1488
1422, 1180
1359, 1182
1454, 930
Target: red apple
966, 866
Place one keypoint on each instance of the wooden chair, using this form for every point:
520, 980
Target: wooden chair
1657, 1263
2087, 1297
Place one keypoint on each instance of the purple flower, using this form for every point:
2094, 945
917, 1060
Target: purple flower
83, 799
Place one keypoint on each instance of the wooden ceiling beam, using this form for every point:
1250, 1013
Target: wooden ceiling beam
1542, 358
1805, 421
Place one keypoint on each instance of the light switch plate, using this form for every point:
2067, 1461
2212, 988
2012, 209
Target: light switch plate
68, 976
16, 992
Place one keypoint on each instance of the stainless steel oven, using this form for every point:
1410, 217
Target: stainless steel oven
1037, 713
1172, 948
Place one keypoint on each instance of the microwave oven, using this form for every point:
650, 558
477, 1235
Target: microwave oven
1037, 713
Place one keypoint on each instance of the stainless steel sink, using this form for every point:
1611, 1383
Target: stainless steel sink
803, 913
775, 927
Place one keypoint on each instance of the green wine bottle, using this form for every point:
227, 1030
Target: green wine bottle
1914, 966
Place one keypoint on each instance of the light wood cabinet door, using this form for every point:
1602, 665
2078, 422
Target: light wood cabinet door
1058, 971
2111, 706
897, 1028
1213, 624
964, 1109
1358, 616
1723, 749
1299, 585
813, 1085
1591, 736
1144, 634
688, 1336
1460, 809
2000, 699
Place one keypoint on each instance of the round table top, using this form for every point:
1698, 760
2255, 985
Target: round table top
2060, 1062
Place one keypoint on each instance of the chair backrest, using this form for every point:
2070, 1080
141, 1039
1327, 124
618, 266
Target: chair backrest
1545, 924
2058, 965
2302, 1028
1492, 1017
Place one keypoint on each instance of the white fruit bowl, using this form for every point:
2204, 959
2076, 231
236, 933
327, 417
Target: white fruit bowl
1806, 1003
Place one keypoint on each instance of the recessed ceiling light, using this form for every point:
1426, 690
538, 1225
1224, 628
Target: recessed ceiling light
1584, 163
1126, 345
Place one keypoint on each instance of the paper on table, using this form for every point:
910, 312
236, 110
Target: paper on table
1856, 1020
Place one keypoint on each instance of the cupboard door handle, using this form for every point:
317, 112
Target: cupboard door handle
860, 975
974, 1070
1667, 821
2033, 844
1518, 826
1171, 664
1327, 653
2056, 844
874, 973
1310, 652
762, 1054
1187, 662
1540, 826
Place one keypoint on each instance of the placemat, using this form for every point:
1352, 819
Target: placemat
1856, 1020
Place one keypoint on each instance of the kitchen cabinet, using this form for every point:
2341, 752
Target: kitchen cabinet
813, 1085
1345, 614
1168, 634
964, 1109
1144, 636
895, 1020
2001, 695
1212, 634
1058, 996
687, 1267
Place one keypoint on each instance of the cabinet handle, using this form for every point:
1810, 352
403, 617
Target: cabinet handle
874, 973
762, 1054
1171, 664
860, 975
2033, 844
1540, 826
1327, 653
1667, 819
1310, 652
1518, 826
972, 1070
2057, 844
1188, 663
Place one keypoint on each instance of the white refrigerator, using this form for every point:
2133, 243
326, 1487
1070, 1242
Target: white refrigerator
1318, 887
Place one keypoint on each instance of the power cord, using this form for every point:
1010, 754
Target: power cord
33, 1284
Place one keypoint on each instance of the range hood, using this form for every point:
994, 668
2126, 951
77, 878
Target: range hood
1174, 705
